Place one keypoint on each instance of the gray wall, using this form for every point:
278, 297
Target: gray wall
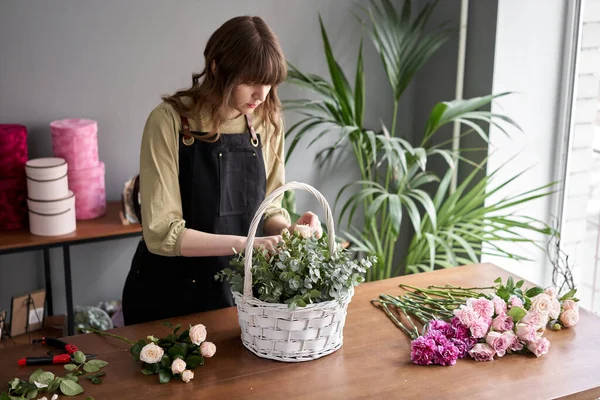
110, 61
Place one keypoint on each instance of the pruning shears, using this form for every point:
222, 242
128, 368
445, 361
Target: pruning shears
66, 356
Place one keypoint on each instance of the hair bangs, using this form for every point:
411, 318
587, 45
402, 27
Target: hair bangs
264, 66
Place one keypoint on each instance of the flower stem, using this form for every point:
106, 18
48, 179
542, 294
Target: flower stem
99, 332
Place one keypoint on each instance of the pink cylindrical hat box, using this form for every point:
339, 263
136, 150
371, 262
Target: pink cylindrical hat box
13, 150
13, 203
52, 218
76, 140
47, 178
89, 188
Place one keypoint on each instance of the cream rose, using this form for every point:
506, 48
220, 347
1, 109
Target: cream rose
198, 334
187, 376
151, 353
570, 317
551, 291
178, 366
554, 308
541, 304
208, 349
304, 230
569, 304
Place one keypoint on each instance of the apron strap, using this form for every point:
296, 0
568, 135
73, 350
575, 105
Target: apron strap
188, 139
254, 139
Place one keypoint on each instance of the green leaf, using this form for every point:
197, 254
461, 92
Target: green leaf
79, 357
53, 387
165, 362
194, 361
70, 367
177, 351
534, 291
136, 349
70, 388
46, 378
4, 396
510, 284
498, 280
153, 367
14, 383
176, 328
359, 89
96, 380
35, 375
89, 398
184, 335
517, 313
520, 283
147, 372
98, 363
164, 375
167, 324
33, 394
568, 295
87, 367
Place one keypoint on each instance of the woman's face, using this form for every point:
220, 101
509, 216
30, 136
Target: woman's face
246, 98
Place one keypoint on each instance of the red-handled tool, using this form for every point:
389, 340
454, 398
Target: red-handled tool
63, 358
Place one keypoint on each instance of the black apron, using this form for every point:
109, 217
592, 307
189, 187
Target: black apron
221, 184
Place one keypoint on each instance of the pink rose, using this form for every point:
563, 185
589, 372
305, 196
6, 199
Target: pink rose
482, 352
482, 306
569, 304
554, 308
499, 305
526, 332
535, 319
515, 343
502, 323
514, 301
208, 349
498, 342
569, 318
539, 347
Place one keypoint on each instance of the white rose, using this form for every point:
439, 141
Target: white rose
555, 308
187, 376
551, 291
208, 349
198, 334
570, 317
304, 230
541, 304
151, 353
178, 366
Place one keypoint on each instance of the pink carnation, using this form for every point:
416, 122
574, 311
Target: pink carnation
479, 329
466, 315
422, 350
482, 352
539, 347
482, 306
461, 331
502, 323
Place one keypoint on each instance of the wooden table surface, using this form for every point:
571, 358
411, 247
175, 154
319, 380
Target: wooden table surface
106, 226
374, 362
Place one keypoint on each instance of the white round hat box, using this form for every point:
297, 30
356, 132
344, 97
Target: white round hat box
52, 217
47, 178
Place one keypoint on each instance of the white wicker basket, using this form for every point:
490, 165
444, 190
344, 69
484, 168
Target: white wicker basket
271, 330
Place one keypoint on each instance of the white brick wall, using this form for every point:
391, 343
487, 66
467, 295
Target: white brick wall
583, 135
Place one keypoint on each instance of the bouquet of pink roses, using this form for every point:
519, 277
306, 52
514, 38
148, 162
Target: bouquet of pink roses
482, 323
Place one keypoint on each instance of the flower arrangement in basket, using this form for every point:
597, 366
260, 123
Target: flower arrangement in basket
292, 301
480, 322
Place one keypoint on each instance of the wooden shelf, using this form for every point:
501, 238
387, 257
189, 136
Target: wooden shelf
108, 226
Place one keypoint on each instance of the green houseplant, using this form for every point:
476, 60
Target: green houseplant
449, 228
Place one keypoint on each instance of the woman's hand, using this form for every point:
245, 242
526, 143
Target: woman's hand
267, 242
311, 219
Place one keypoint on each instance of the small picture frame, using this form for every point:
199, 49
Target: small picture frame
3, 316
27, 312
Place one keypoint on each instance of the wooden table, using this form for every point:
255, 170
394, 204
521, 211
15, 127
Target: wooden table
374, 362
107, 227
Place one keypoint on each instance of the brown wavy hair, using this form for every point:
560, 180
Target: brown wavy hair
244, 50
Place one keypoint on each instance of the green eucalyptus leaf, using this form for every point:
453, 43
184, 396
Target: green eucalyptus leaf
96, 380
98, 363
53, 387
90, 368
46, 378
34, 376
70, 367
32, 394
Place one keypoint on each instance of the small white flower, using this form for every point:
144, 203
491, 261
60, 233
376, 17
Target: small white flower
187, 376
54, 397
40, 385
178, 366
43, 398
198, 334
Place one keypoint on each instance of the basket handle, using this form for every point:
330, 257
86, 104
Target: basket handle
260, 211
